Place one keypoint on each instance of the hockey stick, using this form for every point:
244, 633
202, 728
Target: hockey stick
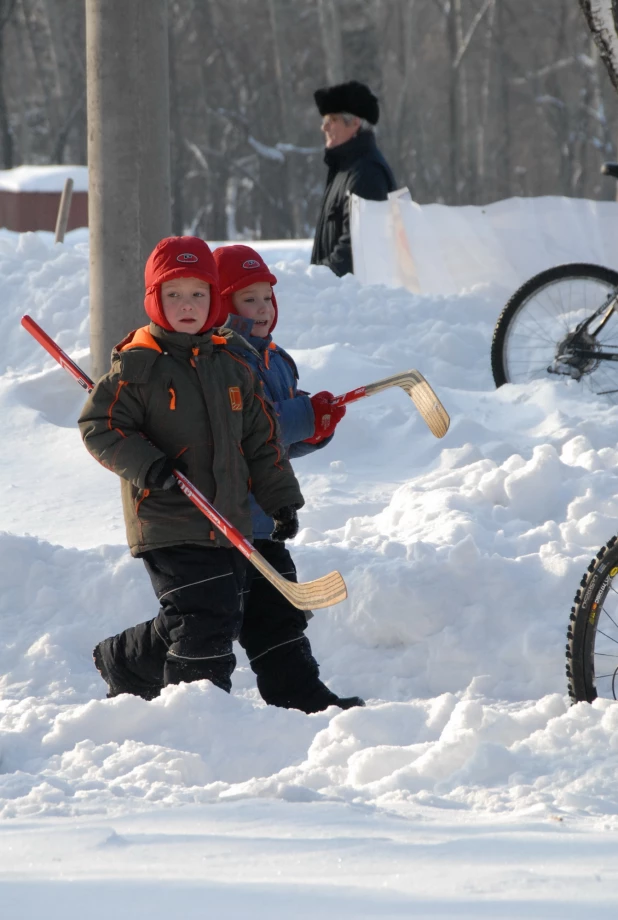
419, 391
309, 595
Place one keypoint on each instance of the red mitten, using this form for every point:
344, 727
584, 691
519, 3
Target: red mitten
326, 415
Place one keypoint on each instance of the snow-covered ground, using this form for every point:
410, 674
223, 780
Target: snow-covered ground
467, 788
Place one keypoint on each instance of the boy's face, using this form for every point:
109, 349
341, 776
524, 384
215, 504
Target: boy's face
256, 303
186, 303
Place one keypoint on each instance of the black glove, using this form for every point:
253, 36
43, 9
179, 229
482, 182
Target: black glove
160, 475
286, 524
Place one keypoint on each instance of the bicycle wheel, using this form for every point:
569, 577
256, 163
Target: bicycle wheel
532, 337
592, 647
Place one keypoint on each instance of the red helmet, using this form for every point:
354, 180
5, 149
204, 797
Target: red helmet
181, 257
240, 266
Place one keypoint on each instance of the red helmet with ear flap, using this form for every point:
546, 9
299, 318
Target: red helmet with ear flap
181, 257
240, 266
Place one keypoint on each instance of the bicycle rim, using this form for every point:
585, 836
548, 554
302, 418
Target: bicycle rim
592, 650
545, 318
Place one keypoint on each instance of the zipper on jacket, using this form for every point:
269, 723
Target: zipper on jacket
145, 494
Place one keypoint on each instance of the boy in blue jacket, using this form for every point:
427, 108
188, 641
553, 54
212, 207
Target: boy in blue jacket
273, 631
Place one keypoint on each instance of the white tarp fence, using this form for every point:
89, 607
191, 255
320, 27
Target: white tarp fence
436, 249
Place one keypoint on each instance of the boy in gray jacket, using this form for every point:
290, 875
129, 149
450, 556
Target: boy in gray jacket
177, 397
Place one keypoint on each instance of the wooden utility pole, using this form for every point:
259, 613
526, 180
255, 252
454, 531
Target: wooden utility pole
128, 161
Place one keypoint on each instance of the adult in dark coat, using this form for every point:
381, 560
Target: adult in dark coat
355, 165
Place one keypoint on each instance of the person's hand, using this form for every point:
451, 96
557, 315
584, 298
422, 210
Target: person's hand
327, 416
286, 524
161, 474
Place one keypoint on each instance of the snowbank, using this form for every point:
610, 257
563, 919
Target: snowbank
461, 558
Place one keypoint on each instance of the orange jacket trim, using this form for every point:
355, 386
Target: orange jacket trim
110, 411
145, 494
142, 338
272, 430
271, 347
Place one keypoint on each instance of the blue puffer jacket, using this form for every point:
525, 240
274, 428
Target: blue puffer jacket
278, 373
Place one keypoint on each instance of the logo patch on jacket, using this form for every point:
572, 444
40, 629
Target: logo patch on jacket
235, 399
251, 263
186, 257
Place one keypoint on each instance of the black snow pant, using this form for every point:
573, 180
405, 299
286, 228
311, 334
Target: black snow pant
200, 595
272, 635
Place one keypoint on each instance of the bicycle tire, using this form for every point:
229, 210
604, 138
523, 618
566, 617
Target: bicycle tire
592, 672
523, 296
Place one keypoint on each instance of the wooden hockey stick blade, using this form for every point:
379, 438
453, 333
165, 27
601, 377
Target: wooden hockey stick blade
424, 398
308, 595
419, 391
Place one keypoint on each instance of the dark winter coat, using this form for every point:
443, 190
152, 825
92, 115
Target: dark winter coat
279, 375
356, 167
172, 394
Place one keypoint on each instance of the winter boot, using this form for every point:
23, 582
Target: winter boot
117, 681
317, 698
288, 676
349, 702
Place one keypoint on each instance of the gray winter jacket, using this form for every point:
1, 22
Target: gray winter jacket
172, 394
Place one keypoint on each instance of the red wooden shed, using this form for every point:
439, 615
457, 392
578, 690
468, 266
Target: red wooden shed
30, 195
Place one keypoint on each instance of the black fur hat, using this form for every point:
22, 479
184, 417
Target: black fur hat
352, 97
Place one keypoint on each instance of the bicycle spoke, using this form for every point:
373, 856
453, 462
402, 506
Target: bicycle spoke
604, 646
609, 616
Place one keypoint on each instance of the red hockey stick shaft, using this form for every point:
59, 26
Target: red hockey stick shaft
228, 530
350, 396
56, 352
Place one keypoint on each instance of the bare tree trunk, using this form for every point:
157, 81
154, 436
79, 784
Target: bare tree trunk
69, 85
330, 28
599, 108
558, 114
403, 91
602, 19
177, 146
282, 70
6, 135
503, 155
49, 101
461, 90
209, 217
481, 156
454, 158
